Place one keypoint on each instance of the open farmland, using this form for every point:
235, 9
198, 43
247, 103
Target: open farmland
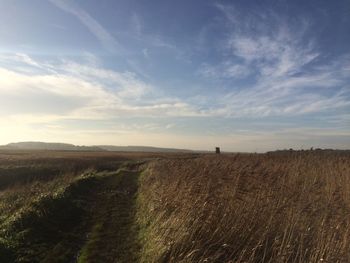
143, 207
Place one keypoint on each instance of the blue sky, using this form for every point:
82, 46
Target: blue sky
243, 75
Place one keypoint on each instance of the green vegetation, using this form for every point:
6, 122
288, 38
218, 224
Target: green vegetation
114, 233
76, 214
276, 207
52, 226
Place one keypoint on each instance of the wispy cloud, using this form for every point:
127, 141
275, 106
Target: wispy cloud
149, 39
281, 54
280, 66
103, 36
71, 90
136, 24
227, 69
151, 42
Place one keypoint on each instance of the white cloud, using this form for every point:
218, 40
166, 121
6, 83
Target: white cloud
70, 90
137, 25
145, 52
125, 84
226, 69
281, 54
279, 61
106, 39
137, 31
20, 57
38, 106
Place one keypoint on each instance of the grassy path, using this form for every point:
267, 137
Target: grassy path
88, 219
113, 237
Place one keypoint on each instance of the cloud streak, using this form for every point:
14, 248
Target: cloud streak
103, 36
71, 92
273, 71
81, 91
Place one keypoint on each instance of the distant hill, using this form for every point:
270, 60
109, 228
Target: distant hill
49, 146
72, 147
139, 149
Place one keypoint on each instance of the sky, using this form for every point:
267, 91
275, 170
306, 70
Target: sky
243, 75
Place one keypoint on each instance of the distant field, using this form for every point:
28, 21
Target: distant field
171, 207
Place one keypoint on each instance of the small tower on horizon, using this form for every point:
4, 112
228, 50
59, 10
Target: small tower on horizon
217, 150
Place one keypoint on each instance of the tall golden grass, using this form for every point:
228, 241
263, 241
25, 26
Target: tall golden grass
278, 207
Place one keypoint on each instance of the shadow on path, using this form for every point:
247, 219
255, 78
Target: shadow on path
114, 234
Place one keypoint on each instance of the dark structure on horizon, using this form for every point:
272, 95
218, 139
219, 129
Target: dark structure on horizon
217, 150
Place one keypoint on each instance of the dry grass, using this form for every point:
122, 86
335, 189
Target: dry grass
283, 207
277, 207
50, 203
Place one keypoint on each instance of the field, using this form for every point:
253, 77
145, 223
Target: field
284, 206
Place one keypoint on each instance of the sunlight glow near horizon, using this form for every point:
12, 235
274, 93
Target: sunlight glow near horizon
243, 76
